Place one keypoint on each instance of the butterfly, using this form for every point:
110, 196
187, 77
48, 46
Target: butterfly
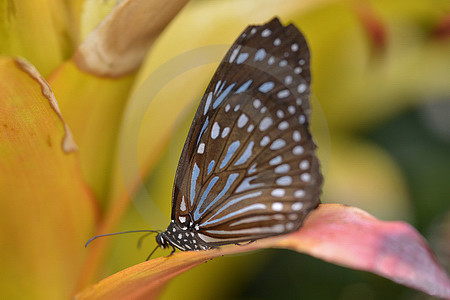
248, 169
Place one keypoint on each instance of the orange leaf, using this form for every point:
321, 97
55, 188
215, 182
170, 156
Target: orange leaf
339, 234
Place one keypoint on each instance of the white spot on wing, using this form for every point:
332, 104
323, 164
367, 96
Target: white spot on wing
301, 88
280, 114
278, 192
301, 119
243, 119
241, 58
297, 206
298, 150
235, 53
277, 144
182, 204
282, 169
266, 86
285, 180
283, 125
264, 141
225, 131
304, 165
288, 80
215, 130
265, 123
275, 161
201, 148
208, 102
306, 177
296, 136
266, 32
283, 63
277, 206
217, 86
283, 94
299, 194
278, 217
290, 226
291, 109
260, 55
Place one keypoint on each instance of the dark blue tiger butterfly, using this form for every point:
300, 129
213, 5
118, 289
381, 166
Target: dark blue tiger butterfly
248, 169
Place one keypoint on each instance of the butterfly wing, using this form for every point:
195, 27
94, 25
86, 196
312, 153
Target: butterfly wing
248, 169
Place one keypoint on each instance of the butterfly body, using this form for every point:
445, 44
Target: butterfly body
183, 238
248, 169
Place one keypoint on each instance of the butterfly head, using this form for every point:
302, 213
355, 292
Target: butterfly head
162, 241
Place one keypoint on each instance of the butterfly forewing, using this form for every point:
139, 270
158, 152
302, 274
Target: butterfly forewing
248, 168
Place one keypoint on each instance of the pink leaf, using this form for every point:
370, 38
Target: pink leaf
336, 233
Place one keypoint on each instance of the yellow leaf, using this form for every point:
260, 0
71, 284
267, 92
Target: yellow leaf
93, 107
46, 209
40, 31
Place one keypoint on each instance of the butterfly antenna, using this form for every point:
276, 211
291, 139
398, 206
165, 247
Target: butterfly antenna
116, 233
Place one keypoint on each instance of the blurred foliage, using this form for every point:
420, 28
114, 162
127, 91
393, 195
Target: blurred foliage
425, 162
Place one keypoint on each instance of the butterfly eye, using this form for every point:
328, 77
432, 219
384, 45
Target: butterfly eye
248, 169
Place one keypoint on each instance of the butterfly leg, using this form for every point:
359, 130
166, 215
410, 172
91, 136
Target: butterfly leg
171, 252
150, 255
